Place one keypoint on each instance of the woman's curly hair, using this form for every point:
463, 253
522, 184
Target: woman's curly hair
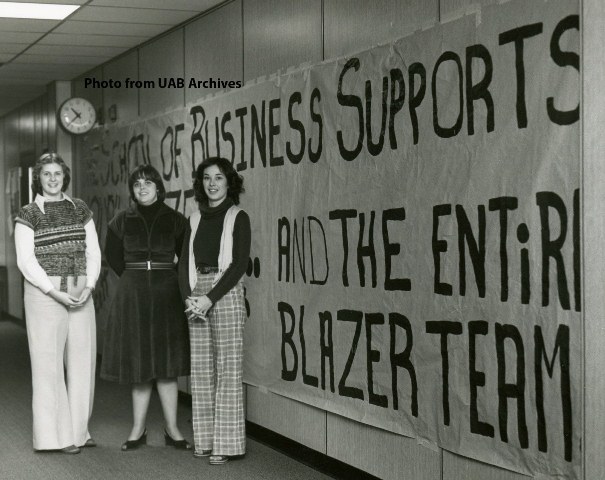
235, 182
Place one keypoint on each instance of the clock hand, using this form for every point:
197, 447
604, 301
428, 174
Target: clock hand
70, 122
77, 113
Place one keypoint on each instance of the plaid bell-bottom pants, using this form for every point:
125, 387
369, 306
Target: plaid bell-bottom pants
216, 372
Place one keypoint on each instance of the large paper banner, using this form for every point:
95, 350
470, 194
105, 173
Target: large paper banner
415, 209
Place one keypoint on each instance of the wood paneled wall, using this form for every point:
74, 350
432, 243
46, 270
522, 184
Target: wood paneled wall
214, 48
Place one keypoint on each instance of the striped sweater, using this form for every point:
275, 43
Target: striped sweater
59, 235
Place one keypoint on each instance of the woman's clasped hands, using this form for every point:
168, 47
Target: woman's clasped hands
68, 300
197, 307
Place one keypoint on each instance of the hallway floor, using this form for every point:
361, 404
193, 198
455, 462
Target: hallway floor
109, 426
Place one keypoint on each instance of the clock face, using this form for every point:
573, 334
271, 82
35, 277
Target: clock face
77, 115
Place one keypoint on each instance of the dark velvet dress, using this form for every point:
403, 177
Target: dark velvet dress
147, 334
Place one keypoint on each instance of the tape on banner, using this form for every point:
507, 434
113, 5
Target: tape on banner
425, 442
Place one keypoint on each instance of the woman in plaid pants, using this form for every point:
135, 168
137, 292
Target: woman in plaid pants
215, 256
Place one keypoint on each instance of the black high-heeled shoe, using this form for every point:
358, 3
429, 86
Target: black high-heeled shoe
178, 444
133, 444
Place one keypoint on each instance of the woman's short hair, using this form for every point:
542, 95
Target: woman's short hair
146, 172
235, 182
46, 159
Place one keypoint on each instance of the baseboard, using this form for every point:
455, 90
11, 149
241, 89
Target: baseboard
319, 461
299, 452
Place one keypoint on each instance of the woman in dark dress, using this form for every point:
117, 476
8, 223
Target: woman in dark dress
146, 338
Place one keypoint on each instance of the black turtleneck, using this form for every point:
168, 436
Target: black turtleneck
148, 212
207, 244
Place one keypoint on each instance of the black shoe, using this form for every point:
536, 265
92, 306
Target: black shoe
178, 444
133, 444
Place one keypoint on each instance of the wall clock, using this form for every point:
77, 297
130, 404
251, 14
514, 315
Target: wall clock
77, 115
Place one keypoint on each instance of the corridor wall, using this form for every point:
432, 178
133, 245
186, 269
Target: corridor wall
25, 134
247, 39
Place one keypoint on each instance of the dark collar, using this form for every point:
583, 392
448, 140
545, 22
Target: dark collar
132, 210
207, 211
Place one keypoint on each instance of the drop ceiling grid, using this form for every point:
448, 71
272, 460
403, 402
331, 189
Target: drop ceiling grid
37, 52
27, 25
64, 2
19, 37
14, 48
112, 28
92, 40
195, 5
132, 15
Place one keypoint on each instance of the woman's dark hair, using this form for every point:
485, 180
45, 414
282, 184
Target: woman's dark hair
235, 183
46, 159
146, 172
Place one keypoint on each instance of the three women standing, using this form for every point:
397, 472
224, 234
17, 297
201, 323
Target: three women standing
146, 338
215, 256
58, 254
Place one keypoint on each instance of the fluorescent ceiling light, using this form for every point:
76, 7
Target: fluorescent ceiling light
45, 11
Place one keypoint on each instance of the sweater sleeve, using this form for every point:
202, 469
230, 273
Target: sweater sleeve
26, 258
93, 254
239, 262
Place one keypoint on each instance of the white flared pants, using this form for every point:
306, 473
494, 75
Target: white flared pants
62, 347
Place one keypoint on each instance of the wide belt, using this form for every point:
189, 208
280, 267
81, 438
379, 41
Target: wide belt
205, 269
149, 265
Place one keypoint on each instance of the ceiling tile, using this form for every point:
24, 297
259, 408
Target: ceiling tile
59, 59
19, 37
196, 5
97, 32
75, 50
13, 48
108, 28
22, 91
26, 25
91, 40
66, 71
64, 2
132, 15
18, 80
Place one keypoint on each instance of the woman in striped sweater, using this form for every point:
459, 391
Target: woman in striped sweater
58, 254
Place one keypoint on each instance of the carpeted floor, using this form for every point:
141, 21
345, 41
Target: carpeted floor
109, 426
